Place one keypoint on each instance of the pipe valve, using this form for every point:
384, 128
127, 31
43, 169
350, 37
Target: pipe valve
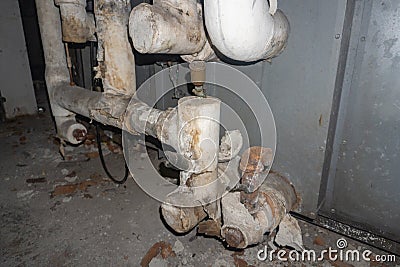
198, 77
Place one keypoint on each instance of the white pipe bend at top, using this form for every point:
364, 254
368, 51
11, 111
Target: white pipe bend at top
242, 30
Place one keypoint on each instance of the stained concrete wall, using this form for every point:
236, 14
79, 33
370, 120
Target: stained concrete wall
15, 76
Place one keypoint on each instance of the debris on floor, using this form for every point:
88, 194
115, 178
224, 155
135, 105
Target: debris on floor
162, 249
57, 212
36, 180
70, 189
289, 234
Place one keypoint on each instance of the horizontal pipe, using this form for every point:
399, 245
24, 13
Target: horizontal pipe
121, 111
70, 130
167, 26
77, 99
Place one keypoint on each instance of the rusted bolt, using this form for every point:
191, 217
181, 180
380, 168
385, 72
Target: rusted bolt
79, 134
255, 158
233, 237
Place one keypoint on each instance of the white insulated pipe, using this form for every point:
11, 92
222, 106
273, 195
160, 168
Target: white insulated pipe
115, 55
56, 72
199, 135
198, 120
167, 26
77, 25
246, 30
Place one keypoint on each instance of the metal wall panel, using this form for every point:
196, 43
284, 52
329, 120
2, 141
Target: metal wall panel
366, 181
15, 77
299, 85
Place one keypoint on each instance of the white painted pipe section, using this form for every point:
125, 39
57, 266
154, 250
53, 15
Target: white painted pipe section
198, 120
70, 130
167, 26
245, 30
199, 135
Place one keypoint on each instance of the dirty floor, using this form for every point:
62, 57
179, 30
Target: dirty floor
57, 212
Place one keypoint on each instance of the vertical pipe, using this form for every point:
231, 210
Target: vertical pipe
77, 25
198, 120
115, 56
56, 72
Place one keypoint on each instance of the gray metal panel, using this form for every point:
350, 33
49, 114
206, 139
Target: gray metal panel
367, 181
15, 77
299, 85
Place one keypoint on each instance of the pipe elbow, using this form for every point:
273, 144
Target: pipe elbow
245, 30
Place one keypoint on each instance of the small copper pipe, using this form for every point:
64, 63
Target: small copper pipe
69, 65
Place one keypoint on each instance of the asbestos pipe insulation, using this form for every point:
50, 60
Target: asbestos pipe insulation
56, 72
115, 110
115, 56
246, 30
69, 129
167, 26
121, 111
198, 142
246, 224
77, 25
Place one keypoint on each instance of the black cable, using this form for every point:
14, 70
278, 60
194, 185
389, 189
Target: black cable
98, 137
103, 162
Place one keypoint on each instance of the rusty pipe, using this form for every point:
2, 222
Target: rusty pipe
77, 25
247, 217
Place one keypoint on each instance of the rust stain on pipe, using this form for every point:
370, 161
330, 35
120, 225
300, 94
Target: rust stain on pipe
79, 134
255, 159
258, 211
115, 56
234, 237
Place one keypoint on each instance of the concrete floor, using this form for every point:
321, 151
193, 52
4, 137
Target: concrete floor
100, 223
